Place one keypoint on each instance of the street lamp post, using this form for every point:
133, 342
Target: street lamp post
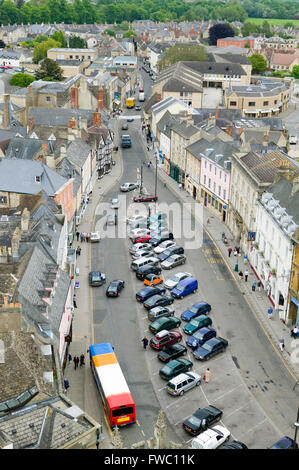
296, 424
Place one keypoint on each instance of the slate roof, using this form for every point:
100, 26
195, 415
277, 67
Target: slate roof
216, 151
25, 149
66, 169
227, 114
282, 191
52, 117
221, 68
178, 85
184, 129
18, 176
266, 89
77, 152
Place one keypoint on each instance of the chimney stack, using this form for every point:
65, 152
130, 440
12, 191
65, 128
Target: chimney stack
100, 99
96, 119
15, 241
6, 111
72, 122
74, 92
25, 220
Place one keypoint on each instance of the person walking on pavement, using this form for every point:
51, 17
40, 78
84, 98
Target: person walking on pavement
240, 275
87, 237
76, 361
75, 301
77, 235
145, 342
207, 376
294, 332
259, 285
229, 251
70, 358
235, 252
82, 358
246, 274
270, 311
78, 250
66, 385
281, 344
253, 286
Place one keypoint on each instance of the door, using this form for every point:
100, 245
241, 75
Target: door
223, 216
205, 200
194, 192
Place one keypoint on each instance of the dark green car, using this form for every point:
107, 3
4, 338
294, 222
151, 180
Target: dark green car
174, 368
197, 323
164, 323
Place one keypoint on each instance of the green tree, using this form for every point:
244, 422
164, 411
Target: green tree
75, 42
41, 49
59, 37
21, 79
249, 28
49, 71
265, 29
295, 71
183, 52
41, 38
259, 63
129, 33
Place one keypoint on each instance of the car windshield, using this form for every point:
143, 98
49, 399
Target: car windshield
197, 335
197, 445
113, 288
195, 421
193, 310
175, 278
179, 287
207, 346
96, 276
170, 259
167, 252
193, 323
167, 370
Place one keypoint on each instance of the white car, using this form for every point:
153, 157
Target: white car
142, 254
95, 237
129, 187
211, 438
175, 279
164, 246
136, 219
140, 246
114, 204
293, 139
138, 231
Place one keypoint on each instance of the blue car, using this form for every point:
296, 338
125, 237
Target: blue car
200, 308
211, 348
200, 336
284, 443
147, 292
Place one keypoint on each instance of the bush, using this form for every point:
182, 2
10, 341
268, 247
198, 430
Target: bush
21, 79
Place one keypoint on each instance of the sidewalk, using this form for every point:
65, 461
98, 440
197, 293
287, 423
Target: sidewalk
82, 390
258, 300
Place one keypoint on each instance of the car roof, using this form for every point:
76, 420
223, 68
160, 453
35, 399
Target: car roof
162, 333
179, 378
186, 281
213, 341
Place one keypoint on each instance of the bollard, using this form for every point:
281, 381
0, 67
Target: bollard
236, 268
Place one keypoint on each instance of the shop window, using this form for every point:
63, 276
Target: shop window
209, 199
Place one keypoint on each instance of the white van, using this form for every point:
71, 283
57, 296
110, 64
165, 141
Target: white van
138, 263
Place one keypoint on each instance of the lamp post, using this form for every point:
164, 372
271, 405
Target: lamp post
296, 424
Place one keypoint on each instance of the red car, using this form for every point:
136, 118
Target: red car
142, 238
165, 338
6, 67
145, 198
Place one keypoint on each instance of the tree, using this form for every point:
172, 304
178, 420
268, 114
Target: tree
265, 29
59, 37
129, 33
75, 42
49, 71
218, 31
183, 52
249, 28
21, 79
259, 63
295, 71
41, 49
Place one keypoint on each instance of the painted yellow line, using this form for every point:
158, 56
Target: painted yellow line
108, 425
142, 433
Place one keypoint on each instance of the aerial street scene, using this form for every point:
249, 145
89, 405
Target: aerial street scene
149, 227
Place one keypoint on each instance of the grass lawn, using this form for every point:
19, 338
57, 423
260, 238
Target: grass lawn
272, 21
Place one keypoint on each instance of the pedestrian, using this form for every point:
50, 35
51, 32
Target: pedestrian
77, 235
270, 311
238, 249
81, 237
82, 358
294, 332
145, 342
246, 274
208, 221
259, 285
245, 259
240, 275
76, 361
207, 376
87, 236
235, 252
148, 165
78, 250
281, 344
148, 148
75, 301
66, 385
223, 236
253, 286
70, 357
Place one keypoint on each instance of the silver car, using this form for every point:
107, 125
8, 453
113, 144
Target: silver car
173, 261
175, 279
140, 246
142, 254
182, 383
158, 312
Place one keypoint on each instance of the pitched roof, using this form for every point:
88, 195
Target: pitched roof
77, 152
265, 166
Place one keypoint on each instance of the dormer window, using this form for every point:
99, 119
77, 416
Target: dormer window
37, 179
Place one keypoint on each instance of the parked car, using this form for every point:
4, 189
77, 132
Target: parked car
159, 312
114, 204
211, 348
142, 238
165, 338
152, 279
182, 383
174, 250
130, 119
125, 127
211, 438
235, 445
174, 368
285, 443
111, 219
114, 288
194, 325
145, 198
96, 278
172, 352
145, 261
200, 308
129, 187
142, 254
137, 107
184, 288
173, 280
173, 261
136, 218
140, 247
158, 301
155, 241
200, 337
146, 292
202, 419
293, 139
135, 232
95, 237
164, 323
159, 226
145, 270
164, 246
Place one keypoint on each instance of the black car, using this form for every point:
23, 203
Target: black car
172, 352
96, 278
158, 301
147, 292
174, 250
114, 288
202, 419
211, 348
235, 445
137, 107
124, 127
148, 269
155, 241
285, 443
